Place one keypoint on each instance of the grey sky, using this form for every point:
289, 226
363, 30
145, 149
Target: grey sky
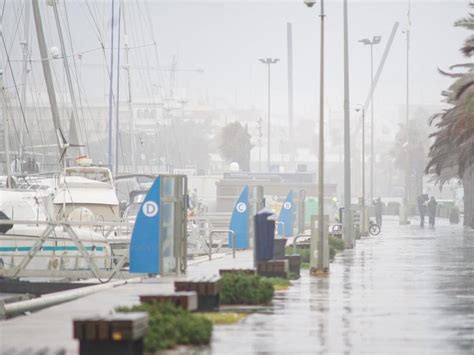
226, 38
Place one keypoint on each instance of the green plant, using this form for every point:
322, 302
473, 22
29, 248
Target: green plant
278, 283
303, 252
336, 243
169, 325
245, 289
220, 318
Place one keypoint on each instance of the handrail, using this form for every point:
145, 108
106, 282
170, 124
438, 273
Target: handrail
296, 238
215, 231
277, 223
65, 222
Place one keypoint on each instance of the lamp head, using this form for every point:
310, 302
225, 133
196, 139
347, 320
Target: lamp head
309, 3
376, 39
365, 41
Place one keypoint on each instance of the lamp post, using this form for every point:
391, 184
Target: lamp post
322, 15
375, 40
362, 216
268, 62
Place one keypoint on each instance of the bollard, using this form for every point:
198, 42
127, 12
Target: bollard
319, 259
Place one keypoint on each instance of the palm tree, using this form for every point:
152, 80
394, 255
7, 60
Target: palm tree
452, 152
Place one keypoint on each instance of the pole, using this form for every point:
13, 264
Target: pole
321, 146
407, 168
111, 90
117, 121
25, 48
289, 34
6, 134
130, 106
348, 239
371, 123
268, 121
75, 115
260, 121
48, 78
363, 218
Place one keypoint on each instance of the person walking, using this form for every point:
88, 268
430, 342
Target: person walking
422, 208
432, 211
378, 211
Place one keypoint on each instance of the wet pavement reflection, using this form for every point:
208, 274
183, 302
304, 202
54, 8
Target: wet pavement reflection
406, 291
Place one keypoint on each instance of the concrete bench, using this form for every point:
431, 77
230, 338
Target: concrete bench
207, 289
186, 300
273, 268
237, 271
31, 351
120, 334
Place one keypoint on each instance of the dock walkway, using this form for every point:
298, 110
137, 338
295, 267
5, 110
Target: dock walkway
52, 327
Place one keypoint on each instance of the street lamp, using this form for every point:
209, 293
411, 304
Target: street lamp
268, 62
362, 216
320, 264
375, 40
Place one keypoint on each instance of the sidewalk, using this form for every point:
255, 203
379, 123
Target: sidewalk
408, 291
52, 327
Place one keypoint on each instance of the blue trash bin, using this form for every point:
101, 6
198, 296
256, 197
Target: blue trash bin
264, 236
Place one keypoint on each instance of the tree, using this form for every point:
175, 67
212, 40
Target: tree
234, 144
452, 152
417, 147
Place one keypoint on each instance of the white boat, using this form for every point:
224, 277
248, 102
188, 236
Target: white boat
33, 211
86, 189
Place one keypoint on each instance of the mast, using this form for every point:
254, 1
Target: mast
6, 133
75, 116
25, 49
289, 37
130, 106
117, 132
48, 77
111, 90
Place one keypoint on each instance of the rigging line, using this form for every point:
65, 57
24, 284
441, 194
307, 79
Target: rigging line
40, 127
68, 31
94, 22
141, 15
145, 77
9, 114
150, 23
14, 83
3, 10
16, 30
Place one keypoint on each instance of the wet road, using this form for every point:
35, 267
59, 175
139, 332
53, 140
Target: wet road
409, 291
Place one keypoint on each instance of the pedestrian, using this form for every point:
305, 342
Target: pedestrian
432, 211
422, 208
378, 211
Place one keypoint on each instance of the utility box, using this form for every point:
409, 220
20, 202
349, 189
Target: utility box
158, 244
319, 252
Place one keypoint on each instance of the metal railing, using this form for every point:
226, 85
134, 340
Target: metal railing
221, 231
296, 238
278, 223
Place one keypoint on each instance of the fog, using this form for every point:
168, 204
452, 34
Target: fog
194, 68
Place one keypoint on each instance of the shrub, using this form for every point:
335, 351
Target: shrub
278, 283
169, 325
336, 243
304, 253
245, 289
